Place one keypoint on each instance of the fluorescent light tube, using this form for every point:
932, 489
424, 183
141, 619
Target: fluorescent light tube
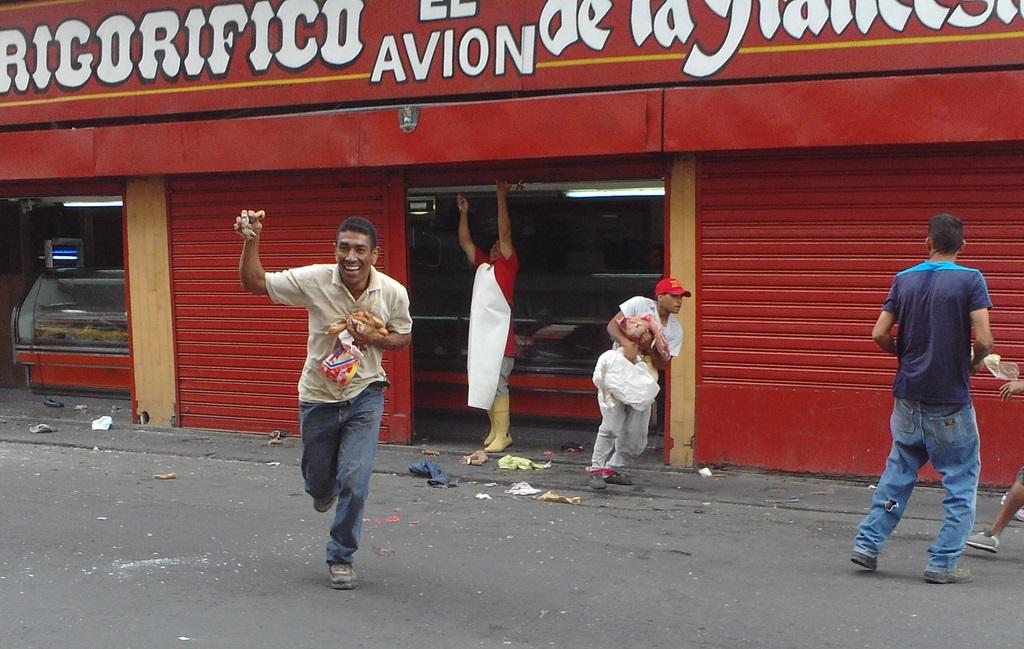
625, 192
113, 203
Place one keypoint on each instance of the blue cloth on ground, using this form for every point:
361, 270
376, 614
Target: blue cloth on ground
436, 477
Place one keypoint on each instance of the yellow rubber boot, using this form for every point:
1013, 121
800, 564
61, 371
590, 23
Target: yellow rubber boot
490, 436
499, 425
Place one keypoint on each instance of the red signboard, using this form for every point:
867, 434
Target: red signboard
77, 60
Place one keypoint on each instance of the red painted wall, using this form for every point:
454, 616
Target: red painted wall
851, 112
921, 109
839, 432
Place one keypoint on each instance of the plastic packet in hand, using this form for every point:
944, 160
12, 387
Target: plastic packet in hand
341, 365
1001, 369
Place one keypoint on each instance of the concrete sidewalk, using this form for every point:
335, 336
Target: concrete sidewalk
21, 409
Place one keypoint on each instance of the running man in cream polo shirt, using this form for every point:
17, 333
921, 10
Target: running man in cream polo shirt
319, 289
339, 423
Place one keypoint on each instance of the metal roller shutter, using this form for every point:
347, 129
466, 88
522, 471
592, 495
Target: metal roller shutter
239, 356
796, 255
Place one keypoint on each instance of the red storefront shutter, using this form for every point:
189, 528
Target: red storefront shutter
796, 256
239, 356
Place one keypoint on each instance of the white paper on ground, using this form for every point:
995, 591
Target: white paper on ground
522, 489
102, 423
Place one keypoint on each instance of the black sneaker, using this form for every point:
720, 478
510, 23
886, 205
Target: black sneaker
619, 479
958, 576
864, 561
323, 505
596, 481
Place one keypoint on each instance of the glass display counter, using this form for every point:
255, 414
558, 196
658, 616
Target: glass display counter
71, 331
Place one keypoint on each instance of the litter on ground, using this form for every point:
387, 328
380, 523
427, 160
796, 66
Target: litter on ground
435, 475
102, 423
512, 462
554, 497
476, 458
522, 489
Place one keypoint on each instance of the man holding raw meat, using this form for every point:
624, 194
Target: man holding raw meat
643, 330
355, 313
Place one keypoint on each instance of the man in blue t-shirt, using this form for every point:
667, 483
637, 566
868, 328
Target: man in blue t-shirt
935, 304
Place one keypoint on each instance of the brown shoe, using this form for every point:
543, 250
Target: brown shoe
323, 505
958, 576
343, 576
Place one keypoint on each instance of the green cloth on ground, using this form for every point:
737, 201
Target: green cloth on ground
513, 462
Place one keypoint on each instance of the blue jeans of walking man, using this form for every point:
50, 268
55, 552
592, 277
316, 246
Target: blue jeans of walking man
339, 446
948, 436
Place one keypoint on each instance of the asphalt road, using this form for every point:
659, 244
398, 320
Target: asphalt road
96, 553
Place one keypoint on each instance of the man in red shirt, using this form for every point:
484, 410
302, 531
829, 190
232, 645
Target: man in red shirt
492, 346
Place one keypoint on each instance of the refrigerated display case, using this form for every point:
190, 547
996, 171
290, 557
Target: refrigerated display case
70, 332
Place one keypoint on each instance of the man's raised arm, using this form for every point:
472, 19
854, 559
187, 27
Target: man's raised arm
249, 225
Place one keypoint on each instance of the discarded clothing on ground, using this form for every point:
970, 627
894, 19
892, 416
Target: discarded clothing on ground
513, 462
436, 477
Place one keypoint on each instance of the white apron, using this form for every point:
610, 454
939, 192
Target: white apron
489, 320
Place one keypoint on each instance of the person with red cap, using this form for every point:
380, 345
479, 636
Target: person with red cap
622, 435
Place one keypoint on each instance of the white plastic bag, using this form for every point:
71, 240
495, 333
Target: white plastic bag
616, 378
1001, 369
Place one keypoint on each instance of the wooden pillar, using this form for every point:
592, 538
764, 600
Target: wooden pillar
682, 245
147, 264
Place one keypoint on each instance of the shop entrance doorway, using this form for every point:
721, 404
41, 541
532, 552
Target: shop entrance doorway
62, 294
583, 248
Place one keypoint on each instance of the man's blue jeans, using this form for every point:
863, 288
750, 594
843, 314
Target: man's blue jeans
948, 436
339, 443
